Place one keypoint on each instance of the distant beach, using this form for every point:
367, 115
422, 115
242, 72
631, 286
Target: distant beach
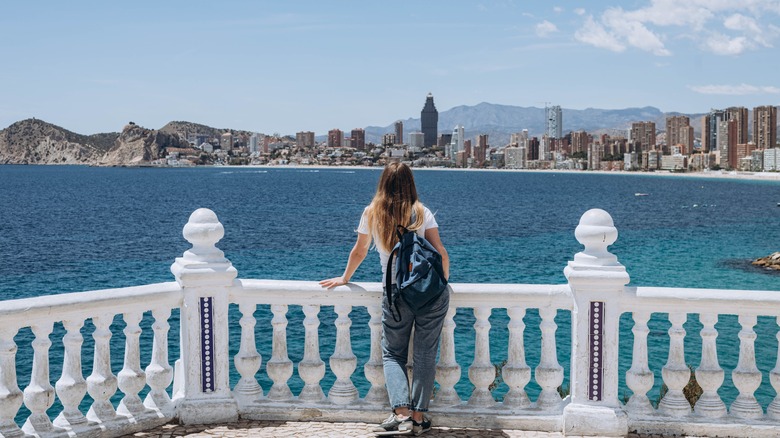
720, 174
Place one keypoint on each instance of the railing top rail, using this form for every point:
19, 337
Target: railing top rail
26, 311
365, 294
720, 301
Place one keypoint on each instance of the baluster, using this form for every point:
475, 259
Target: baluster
709, 374
482, 372
101, 384
447, 370
248, 360
639, 378
549, 374
10, 395
746, 376
71, 388
343, 362
373, 369
312, 367
39, 394
676, 373
132, 379
773, 410
159, 373
280, 367
516, 372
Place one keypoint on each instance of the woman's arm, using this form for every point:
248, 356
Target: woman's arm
432, 235
356, 257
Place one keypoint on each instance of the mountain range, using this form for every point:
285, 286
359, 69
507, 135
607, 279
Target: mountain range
34, 141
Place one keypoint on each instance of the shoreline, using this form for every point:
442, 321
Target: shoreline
716, 174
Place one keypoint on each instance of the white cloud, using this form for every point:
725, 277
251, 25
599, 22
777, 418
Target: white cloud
735, 90
723, 27
557, 9
545, 28
720, 44
596, 35
579, 11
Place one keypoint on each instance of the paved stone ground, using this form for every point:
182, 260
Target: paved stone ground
281, 429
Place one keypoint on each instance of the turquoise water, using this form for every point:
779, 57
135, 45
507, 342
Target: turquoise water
66, 229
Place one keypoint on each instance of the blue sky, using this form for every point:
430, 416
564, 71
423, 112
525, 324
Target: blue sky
287, 66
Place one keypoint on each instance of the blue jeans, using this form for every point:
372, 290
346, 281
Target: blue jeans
427, 323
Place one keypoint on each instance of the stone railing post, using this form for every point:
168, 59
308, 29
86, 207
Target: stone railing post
205, 276
597, 282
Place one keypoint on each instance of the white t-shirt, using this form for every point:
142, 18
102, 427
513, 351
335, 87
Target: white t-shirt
429, 221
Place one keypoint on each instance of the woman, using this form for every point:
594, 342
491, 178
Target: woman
396, 203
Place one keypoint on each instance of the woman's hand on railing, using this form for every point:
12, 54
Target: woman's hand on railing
333, 282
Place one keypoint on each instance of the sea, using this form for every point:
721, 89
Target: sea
73, 228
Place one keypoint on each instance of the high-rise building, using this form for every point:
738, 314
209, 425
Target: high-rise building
358, 136
533, 149
480, 150
388, 139
765, 127
709, 129
456, 143
444, 141
429, 122
254, 143
739, 114
580, 141
727, 143
335, 138
467, 148
679, 132
399, 131
304, 139
642, 136
554, 120
226, 141
416, 141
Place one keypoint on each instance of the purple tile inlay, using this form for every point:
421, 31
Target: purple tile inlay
596, 342
207, 344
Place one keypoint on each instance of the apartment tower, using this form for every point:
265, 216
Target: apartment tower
429, 121
765, 126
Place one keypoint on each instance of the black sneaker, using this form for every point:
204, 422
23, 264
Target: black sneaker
421, 427
394, 426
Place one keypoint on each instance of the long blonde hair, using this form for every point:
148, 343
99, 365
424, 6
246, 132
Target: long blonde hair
393, 203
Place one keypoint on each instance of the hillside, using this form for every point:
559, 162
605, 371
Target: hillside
35, 141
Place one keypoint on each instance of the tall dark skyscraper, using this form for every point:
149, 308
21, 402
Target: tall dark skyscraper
429, 121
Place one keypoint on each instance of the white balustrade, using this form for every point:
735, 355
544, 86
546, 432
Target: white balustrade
279, 367
448, 371
71, 387
10, 396
596, 294
312, 367
373, 369
676, 373
516, 372
102, 383
709, 374
343, 362
159, 373
39, 394
482, 372
549, 373
248, 360
746, 375
132, 379
773, 410
639, 377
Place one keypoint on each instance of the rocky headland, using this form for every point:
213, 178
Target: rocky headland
772, 261
34, 141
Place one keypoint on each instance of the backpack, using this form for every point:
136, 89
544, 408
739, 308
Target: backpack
419, 274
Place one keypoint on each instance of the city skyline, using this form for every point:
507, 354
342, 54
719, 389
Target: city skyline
273, 67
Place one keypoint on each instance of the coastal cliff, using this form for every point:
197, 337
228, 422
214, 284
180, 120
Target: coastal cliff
34, 141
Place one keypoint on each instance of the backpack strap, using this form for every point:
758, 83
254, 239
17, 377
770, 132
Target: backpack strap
389, 284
